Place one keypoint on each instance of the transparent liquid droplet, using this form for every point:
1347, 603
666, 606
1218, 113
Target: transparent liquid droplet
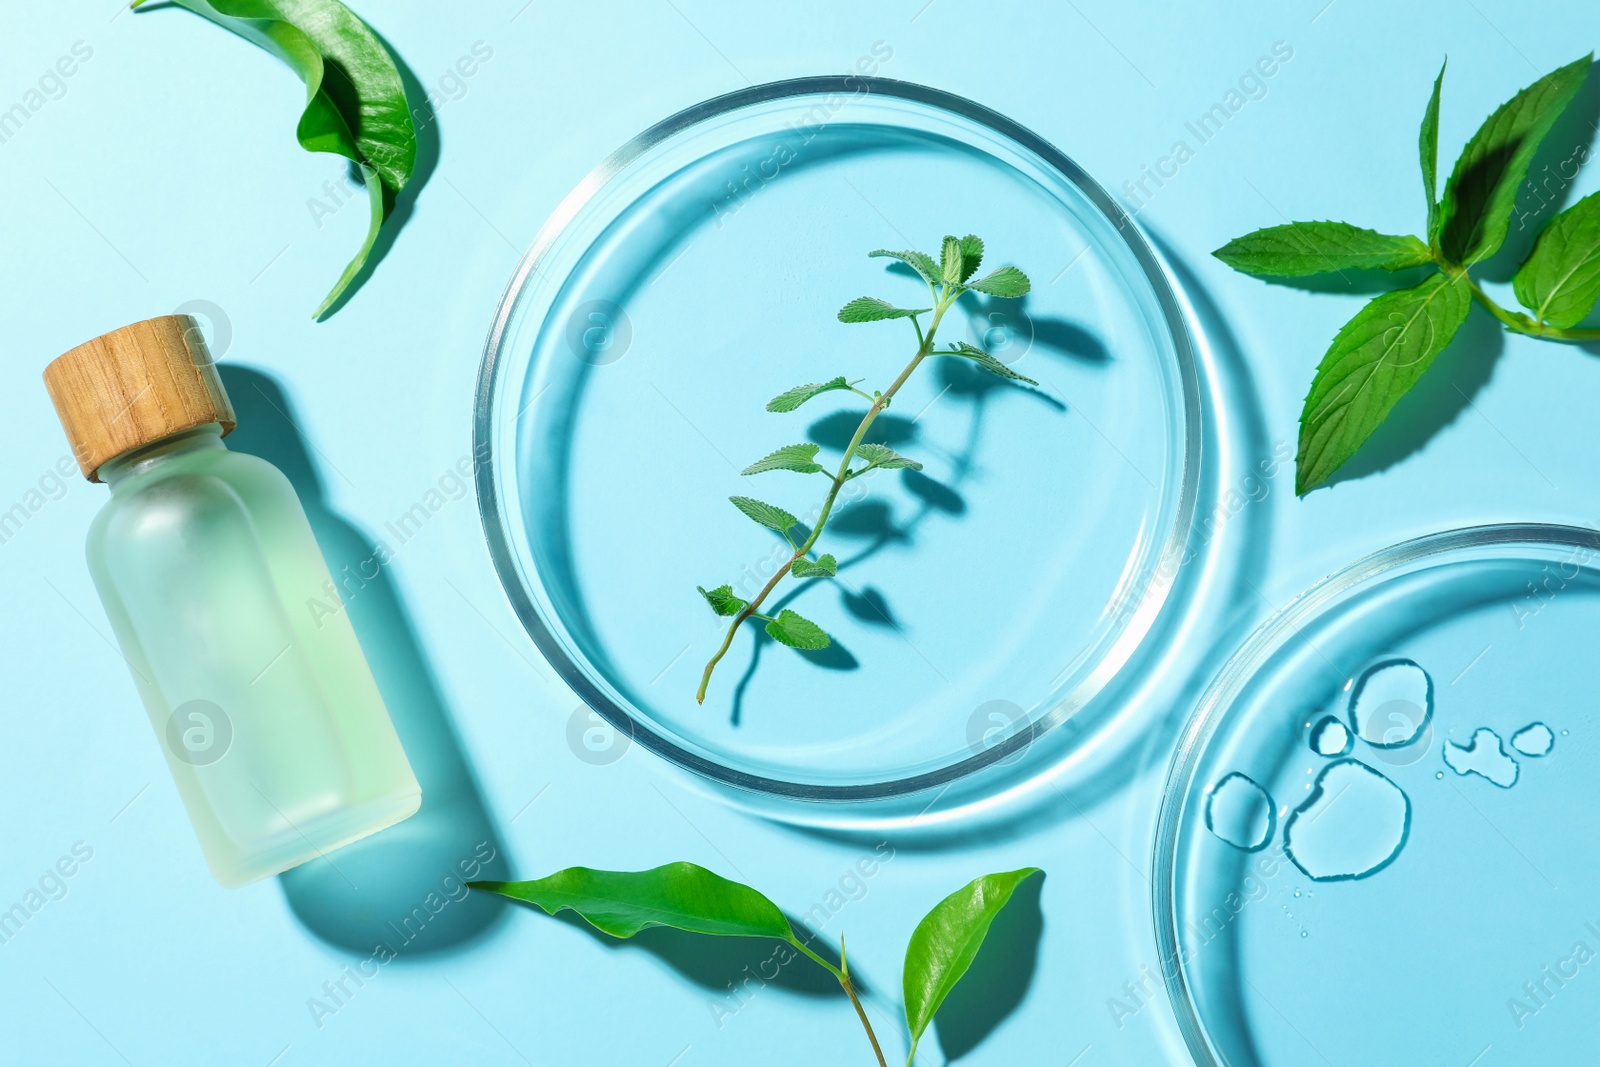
1484, 756
1352, 825
1330, 737
1391, 703
1240, 812
1535, 740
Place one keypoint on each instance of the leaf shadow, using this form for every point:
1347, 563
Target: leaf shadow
998, 980
1436, 401
995, 323
836, 430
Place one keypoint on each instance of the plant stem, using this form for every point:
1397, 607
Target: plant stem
1517, 322
849, 991
924, 348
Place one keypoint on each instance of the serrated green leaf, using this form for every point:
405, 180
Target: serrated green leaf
773, 518
946, 942
920, 262
722, 600
971, 255
822, 567
1005, 282
1482, 189
796, 631
986, 361
802, 459
1428, 148
683, 896
950, 260
1301, 248
871, 309
790, 399
885, 457
1561, 278
1375, 359
355, 100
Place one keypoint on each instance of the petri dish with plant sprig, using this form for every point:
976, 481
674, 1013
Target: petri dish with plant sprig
1373, 844
1001, 540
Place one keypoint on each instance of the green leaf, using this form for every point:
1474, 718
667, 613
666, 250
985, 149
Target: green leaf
871, 309
971, 255
790, 399
802, 459
722, 600
680, 895
1301, 248
1428, 148
950, 260
796, 631
773, 518
883, 456
823, 567
920, 262
1561, 279
1482, 189
946, 942
986, 361
1005, 282
357, 111
1375, 359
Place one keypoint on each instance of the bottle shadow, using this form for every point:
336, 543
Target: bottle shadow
403, 887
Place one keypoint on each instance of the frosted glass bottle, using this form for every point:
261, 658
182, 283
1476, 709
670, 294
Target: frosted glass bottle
267, 713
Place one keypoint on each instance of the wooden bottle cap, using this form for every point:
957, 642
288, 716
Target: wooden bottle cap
136, 385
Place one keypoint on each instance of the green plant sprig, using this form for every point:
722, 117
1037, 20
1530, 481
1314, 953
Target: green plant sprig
1381, 353
947, 278
688, 897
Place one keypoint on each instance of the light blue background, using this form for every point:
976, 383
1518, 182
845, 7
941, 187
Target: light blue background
168, 173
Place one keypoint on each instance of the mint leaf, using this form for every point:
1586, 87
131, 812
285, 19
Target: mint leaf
802, 459
920, 262
680, 895
722, 600
1561, 279
946, 942
883, 456
950, 260
823, 567
1301, 248
1005, 282
986, 361
796, 631
871, 309
773, 518
1482, 189
790, 399
1428, 148
1375, 359
971, 255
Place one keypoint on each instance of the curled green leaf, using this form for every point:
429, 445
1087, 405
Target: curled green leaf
797, 631
1561, 278
768, 515
802, 459
355, 100
986, 361
681, 895
1300, 248
920, 262
722, 600
1005, 282
824, 566
946, 942
884, 457
1428, 149
1482, 189
790, 399
950, 260
871, 309
971, 255
1375, 360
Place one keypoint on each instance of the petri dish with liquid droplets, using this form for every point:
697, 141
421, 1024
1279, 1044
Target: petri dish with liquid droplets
1424, 723
982, 602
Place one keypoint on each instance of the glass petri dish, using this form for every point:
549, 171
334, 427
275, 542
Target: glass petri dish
1373, 845
695, 274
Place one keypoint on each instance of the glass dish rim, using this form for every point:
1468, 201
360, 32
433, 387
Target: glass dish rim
494, 517
1247, 659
